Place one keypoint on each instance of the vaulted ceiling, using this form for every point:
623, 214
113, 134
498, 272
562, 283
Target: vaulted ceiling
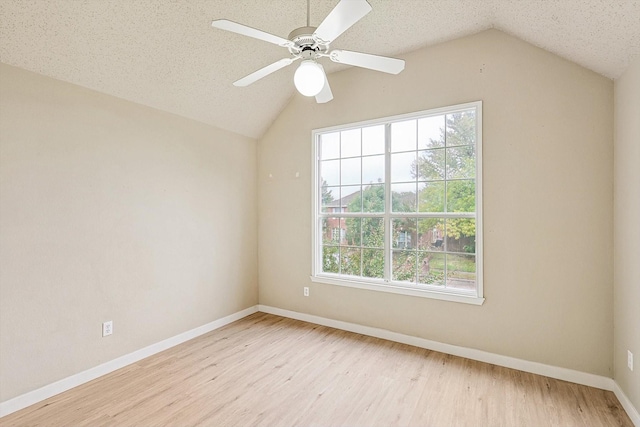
165, 54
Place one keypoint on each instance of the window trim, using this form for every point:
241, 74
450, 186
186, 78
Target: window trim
382, 285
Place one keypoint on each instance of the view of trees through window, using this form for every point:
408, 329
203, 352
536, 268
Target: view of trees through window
425, 204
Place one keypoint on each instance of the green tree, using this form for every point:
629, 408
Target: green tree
367, 234
456, 162
372, 230
327, 197
461, 128
330, 258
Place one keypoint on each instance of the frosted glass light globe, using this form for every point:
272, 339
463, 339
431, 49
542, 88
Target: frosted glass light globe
309, 78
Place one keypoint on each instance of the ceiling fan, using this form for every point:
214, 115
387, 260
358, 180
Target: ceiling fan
310, 44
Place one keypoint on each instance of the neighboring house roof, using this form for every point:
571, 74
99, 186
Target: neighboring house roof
406, 197
344, 202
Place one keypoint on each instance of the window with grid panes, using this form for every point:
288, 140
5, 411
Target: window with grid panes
409, 199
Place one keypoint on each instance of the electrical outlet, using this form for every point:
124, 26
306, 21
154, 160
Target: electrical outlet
630, 360
107, 328
306, 291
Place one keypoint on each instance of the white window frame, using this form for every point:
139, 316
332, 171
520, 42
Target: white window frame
386, 285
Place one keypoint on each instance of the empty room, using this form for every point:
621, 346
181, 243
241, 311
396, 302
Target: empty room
319, 212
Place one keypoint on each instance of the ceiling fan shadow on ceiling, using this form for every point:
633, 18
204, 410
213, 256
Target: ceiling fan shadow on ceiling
309, 44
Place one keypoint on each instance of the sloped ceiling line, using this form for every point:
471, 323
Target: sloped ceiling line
164, 53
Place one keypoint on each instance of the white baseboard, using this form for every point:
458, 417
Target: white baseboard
627, 405
564, 374
65, 384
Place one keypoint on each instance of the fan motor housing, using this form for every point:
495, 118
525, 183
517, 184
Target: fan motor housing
303, 40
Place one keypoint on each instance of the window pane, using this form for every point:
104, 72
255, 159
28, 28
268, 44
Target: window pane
373, 140
327, 226
431, 196
352, 236
330, 198
404, 266
461, 235
404, 233
431, 132
403, 136
403, 197
330, 172
331, 259
373, 169
333, 231
350, 143
351, 199
330, 146
373, 263
350, 170
402, 167
431, 268
335, 235
350, 258
373, 232
373, 198
431, 234
461, 128
461, 272
461, 162
461, 196
431, 165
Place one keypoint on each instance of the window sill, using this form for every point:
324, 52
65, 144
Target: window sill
398, 289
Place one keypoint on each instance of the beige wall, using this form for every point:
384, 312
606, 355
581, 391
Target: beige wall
113, 211
548, 185
627, 231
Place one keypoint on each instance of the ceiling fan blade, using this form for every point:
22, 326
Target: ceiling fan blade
325, 94
234, 27
263, 72
340, 19
365, 60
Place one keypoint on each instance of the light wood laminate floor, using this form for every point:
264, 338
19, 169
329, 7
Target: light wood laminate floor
271, 371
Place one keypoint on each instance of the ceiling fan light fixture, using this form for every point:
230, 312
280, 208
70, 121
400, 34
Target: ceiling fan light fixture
309, 78
312, 43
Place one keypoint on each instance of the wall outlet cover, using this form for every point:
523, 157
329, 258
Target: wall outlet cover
107, 328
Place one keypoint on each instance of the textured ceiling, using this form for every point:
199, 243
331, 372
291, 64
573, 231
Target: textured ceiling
164, 53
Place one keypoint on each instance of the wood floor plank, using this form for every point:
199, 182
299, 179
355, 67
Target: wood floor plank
266, 370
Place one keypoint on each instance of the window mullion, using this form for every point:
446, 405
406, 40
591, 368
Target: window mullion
388, 202
340, 195
446, 204
361, 240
